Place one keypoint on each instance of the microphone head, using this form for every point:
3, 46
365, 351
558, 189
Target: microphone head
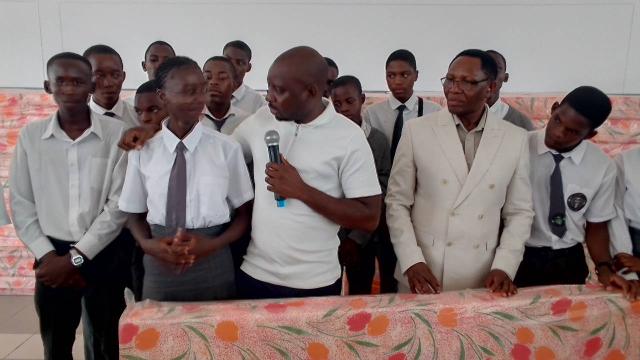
272, 137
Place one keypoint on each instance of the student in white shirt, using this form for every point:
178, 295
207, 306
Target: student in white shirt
157, 52
501, 108
328, 178
403, 104
573, 185
181, 189
219, 113
244, 97
626, 229
65, 179
108, 75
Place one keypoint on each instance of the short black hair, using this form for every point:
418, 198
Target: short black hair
67, 56
347, 80
488, 63
158, 42
163, 71
331, 63
402, 55
102, 49
495, 52
147, 87
223, 59
589, 102
240, 45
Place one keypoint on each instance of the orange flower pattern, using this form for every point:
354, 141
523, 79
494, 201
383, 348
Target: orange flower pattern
546, 323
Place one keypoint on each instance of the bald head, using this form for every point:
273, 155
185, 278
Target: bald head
297, 79
304, 64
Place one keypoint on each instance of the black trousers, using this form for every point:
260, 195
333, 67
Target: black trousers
545, 266
360, 275
102, 302
250, 288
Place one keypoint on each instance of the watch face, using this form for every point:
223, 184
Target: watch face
77, 260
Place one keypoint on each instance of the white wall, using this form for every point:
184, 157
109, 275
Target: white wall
551, 46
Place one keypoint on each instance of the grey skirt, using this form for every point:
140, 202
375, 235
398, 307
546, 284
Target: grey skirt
211, 278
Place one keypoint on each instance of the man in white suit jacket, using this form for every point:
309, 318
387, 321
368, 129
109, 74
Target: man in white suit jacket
456, 175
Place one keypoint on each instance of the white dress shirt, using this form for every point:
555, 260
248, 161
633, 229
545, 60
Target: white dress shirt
232, 119
68, 189
295, 246
123, 111
586, 171
382, 115
217, 177
247, 99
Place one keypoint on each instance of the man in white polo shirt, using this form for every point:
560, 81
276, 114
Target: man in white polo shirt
328, 178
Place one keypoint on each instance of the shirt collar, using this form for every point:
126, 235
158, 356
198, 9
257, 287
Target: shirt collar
233, 111
411, 103
481, 124
327, 115
240, 91
117, 109
576, 154
54, 129
500, 108
190, 141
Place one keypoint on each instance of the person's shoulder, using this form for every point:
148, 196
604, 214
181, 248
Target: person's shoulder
377, 106
427, 120
595, 156
507, 126
632, 154
430, 106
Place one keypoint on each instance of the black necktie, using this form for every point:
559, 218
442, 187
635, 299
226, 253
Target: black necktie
218, 123
397, 130
557, 210
110, 114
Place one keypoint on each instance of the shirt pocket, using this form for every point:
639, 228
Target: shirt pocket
576, 200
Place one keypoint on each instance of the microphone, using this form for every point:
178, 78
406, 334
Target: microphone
272, 138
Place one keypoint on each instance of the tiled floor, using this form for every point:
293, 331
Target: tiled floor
19, 335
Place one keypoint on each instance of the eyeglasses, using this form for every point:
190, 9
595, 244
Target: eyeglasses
464, 85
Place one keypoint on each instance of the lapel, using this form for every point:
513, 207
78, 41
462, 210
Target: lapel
487, 150
450, 143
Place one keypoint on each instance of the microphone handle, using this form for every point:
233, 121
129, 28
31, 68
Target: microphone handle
274, 157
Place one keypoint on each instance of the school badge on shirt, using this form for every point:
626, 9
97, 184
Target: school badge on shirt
577, 201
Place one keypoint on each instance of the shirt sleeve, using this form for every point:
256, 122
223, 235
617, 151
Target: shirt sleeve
240, 187
133, 198
241, 135
106, 226
602, 205
357, 172
23, 204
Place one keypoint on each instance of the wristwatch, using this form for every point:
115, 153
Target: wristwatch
76, 259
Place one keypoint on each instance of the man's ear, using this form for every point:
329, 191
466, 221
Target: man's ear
363, 97
47, 87
124, 76
162, 96
144, 66
93, 87
506, 77
417, 73
555, 106
248, 67
591, 134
